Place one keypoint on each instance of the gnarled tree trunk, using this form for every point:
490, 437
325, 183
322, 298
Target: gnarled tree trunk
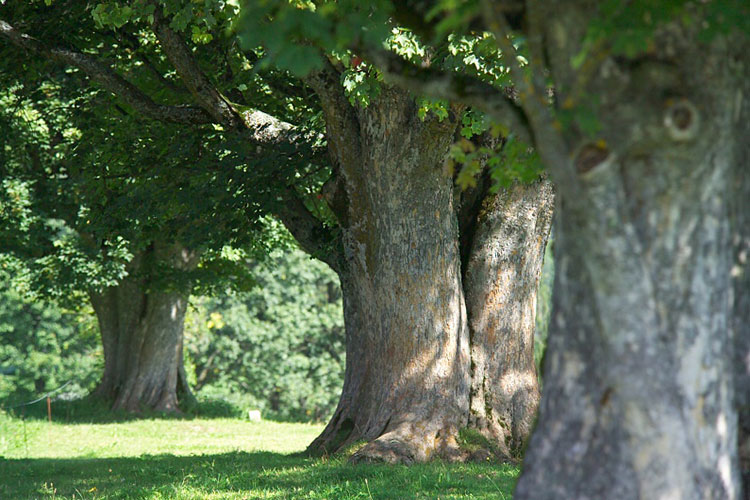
141, 325
408, 380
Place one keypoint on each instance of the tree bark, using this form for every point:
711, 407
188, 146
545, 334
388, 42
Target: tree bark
407, 386
741, 315
501, 280
141, 325
408, 380
741, 283
638, 399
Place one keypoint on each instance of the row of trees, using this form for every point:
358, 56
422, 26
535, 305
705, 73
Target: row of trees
277, 347
638, 115
383, 395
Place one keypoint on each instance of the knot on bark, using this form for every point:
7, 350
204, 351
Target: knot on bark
681, 119
590, 156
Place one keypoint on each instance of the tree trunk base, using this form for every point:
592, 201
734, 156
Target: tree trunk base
408, 443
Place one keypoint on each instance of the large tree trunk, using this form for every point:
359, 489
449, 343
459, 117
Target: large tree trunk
408, 380
141, 325
638, 399
502, 272
741, 285
741, 316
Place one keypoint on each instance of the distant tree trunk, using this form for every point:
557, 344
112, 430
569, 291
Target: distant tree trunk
502, 271
407, 387
638, 397
141, 326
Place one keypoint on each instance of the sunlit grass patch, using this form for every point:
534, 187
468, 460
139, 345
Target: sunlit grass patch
214, 459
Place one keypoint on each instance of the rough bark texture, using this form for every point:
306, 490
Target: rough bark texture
638, 401
407, 384
408, 380
741, 277
501, 280
141, 328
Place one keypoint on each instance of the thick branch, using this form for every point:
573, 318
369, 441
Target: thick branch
533, 96
314, 238
107, 78
197, 83
263, 128
454, 87
341, 120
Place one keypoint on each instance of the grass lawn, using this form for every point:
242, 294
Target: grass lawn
212, 458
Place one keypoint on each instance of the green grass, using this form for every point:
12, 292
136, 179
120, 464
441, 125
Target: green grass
212, 458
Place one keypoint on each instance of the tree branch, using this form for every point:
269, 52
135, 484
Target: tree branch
108, 79
532, 94
342, 124
263, 129
204, 92
314, 238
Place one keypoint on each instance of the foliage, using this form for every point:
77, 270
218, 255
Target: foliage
42, 347
509, 161
629, 30
278, 347
219, 458
99, 183
77, 210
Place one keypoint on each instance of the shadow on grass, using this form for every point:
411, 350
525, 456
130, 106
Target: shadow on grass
245, 476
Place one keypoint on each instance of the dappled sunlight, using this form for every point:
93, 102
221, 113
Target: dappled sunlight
243, 475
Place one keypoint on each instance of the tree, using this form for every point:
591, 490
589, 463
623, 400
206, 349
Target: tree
640, 135
409, 387
395, 240
129, 233
411, 346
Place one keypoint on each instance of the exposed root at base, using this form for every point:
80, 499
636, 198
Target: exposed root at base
400, 447
397, 448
